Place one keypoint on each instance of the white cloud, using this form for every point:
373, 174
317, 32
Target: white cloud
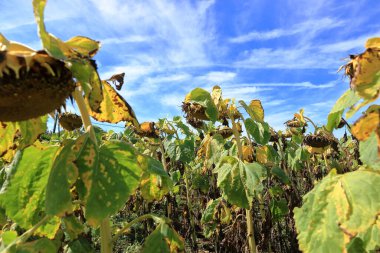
219, 76
126, 39
309, 26
306, 85
173, 100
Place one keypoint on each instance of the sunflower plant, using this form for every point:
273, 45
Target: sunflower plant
57, 192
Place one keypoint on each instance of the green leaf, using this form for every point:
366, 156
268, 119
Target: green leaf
337, 210
42, 245
8, 237
24, 197
164, 239
239, 182
72, 226
155, 181
259, 131
348, 99
180, 150
255, 110
108, 176
368, 150
86, 47
216, 212
81, 245
184, 128
280, 174
18, 135
203, 98
63, 175
278, 208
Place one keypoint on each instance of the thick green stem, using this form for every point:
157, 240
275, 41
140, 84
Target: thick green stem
250, 231
105, 229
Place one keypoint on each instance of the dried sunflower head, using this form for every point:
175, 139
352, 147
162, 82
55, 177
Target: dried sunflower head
317, 141
194, 110
194, 122
148, 129
70, 121
225, 132
31, 83
294, 123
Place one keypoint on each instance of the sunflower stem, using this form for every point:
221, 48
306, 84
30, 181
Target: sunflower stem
105, 228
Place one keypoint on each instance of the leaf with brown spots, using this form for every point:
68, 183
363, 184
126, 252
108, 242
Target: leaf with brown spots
164, 239
18, 135
108, 176
368, 123
114, 108
155, 182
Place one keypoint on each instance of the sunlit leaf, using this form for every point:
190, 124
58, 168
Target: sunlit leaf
239, 182
258, 130
63, 174
370, 150
23, 197
202, 97
114, 108
164, 239
336, 210
255, 110
366, 79
108, 176
373, 43
367, 124
8, 237
155, 181
18, 135
348, 99
86, 47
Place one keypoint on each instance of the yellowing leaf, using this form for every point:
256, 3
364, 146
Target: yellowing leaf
336, 211
114, 108
255, 110
366, 76
86, 47
373, 43
367, 124
18, 135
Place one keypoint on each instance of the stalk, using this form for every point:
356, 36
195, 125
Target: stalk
248, 212
193, 235
105, 228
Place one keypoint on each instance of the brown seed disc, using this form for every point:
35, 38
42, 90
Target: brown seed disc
196, 123
194, 111
70, 121
316, 141
225, 132
32, 86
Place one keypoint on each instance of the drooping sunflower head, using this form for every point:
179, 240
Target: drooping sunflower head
194, 110
317, 140
32, 83
70, 121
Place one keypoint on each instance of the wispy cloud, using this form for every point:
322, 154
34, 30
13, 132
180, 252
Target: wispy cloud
310, 26
305, 85
219, 76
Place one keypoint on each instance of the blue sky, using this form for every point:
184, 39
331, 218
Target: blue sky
283, 52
